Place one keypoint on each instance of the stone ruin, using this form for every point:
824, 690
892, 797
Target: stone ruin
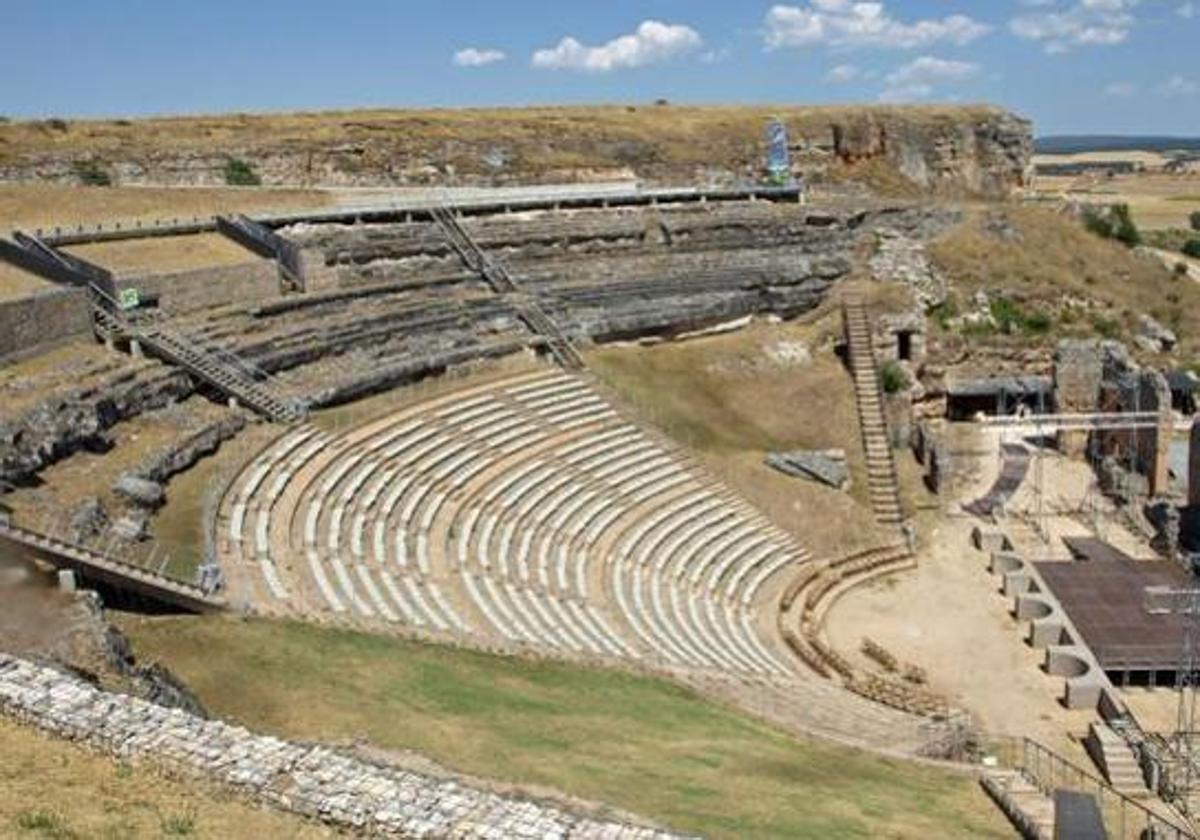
1100, 377
309, 780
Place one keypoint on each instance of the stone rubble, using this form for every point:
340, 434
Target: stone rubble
825, 466
308, 779
902, 259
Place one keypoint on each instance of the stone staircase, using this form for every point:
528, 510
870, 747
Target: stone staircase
221, 369
502, 283
1029, 810
882, 483
1116, 761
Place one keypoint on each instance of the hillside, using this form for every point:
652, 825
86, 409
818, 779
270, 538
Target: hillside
636, 743
955, 148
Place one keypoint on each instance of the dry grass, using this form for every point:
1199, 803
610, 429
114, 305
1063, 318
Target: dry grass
50, 205
725, 398
538, 139
1158, 201
640, 744
1053, 260
163, 254
16, 283
54, 790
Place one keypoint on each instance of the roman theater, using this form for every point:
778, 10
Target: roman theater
408, 499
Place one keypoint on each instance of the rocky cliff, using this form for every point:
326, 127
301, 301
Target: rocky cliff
967, 149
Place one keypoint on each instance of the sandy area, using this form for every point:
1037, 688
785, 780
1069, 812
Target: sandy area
949, 616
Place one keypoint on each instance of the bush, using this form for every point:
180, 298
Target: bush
238, 173
1010, 318
893, 378
1191, 248
1114, 223
946, 311
92, 174
1106, 327
1194, 219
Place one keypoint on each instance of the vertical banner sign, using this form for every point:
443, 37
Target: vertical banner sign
779, 161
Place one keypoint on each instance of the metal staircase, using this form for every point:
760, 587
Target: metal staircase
502, 283
118, 573
882, 482
229, 374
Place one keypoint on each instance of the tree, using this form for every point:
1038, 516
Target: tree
1191, 248
1195, 220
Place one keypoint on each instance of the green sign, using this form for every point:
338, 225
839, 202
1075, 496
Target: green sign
128, 298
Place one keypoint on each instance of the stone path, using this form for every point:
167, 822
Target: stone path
311, 780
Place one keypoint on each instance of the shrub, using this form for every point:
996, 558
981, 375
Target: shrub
1010, 318
178, 825
1037, 323
946, 311
1106, 327
45, 824
238, 173
1194, 220
92, 174
893, 378
1114, 223
1191, 248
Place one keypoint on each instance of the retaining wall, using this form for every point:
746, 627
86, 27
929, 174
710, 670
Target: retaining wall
307, 779
183, 291
44, 319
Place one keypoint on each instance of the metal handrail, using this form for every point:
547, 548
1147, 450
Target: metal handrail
1046, 769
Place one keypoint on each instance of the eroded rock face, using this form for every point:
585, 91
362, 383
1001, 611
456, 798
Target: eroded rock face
968, 149
987, 154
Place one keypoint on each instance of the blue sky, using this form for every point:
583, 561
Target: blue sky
1121, 66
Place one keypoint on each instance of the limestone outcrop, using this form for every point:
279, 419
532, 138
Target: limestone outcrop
968, 149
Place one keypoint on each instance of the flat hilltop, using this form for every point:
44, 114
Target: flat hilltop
487, 145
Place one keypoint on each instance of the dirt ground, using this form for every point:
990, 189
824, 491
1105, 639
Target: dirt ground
949, 616
164, 254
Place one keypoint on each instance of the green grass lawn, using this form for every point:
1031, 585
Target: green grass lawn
640, 744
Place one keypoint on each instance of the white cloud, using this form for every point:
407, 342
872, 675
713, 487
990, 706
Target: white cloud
473, 57
1179, 86
652, 42
917, 79
1187, 10
1121, 89
843, 73
845, 23
1087, 22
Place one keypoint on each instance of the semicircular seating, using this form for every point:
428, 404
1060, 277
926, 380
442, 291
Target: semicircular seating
522, 513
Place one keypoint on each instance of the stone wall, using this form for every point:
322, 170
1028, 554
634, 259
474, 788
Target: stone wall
1078, 372
307, 779
201, 288
42, 320
1099, 376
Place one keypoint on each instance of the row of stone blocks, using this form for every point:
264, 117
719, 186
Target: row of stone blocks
306, 779
1086, 686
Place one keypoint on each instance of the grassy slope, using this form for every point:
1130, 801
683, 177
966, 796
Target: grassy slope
725, 398
57, 791
636, 743
1054, 258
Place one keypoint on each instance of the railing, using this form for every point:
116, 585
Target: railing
1124, 818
